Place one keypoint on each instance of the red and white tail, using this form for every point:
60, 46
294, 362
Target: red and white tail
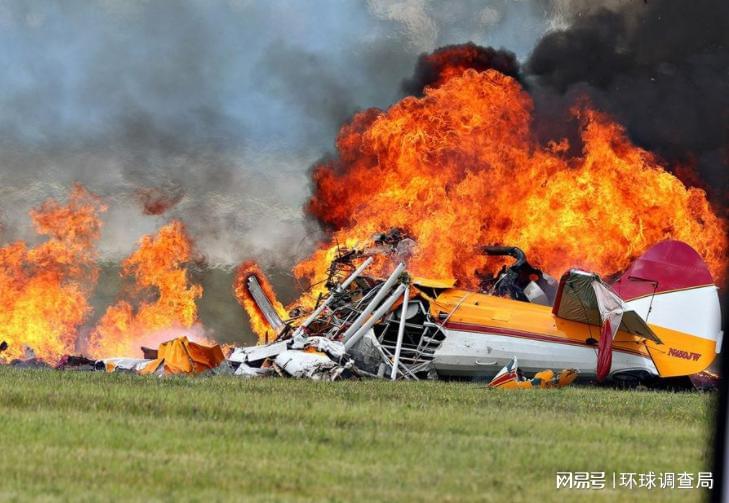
671, 286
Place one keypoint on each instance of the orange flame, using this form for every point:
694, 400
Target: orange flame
259, 325
43, 290
158, 268
460, 167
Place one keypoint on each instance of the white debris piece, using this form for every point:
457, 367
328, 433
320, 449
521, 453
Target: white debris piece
334, 349
257, 353
131, 364
304, 364
247, 371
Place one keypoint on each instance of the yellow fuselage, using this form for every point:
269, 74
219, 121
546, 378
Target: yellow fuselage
462, 310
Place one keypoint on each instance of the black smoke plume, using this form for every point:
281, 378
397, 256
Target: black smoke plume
661, 68
430, 68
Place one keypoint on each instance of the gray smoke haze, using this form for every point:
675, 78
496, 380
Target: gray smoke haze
210, 111
661, 68
213, 112
219, 108
216, 109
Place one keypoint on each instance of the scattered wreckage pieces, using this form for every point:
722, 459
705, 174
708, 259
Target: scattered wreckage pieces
340, 330
177, 356
375, 310
354, 332
257, 353
368, 319
341, 288
400, 333
74, 362
29, 359
352, 339
510, 377
264, 304
316, 358
181, 356
245, 370
309, 364
705, 381
124, 364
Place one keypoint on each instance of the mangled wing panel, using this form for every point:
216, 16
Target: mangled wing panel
176, 356
180, 356
576, 301
205, 357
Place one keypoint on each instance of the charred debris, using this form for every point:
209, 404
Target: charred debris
396, 326
369, 327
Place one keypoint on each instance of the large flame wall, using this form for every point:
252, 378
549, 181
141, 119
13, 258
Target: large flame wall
456, 168
460, 167
45, 290
165, 298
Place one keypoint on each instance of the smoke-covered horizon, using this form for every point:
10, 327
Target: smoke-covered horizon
216, 110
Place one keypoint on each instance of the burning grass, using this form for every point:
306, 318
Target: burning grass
73, 436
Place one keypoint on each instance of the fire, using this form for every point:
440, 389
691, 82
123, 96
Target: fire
460, 167
434, 69
259, 325
44, 290
165, 297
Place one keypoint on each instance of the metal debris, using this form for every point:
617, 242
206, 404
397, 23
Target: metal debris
364, 327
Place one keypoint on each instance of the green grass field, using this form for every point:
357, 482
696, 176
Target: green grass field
94, 436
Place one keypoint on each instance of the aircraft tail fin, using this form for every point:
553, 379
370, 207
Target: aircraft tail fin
670, 286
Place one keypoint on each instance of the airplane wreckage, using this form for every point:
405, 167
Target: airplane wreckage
660, 319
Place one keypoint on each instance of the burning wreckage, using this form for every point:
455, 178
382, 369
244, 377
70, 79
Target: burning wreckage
659, 319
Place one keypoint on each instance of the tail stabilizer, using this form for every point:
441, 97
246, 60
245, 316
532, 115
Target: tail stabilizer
671, 288
680, 354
